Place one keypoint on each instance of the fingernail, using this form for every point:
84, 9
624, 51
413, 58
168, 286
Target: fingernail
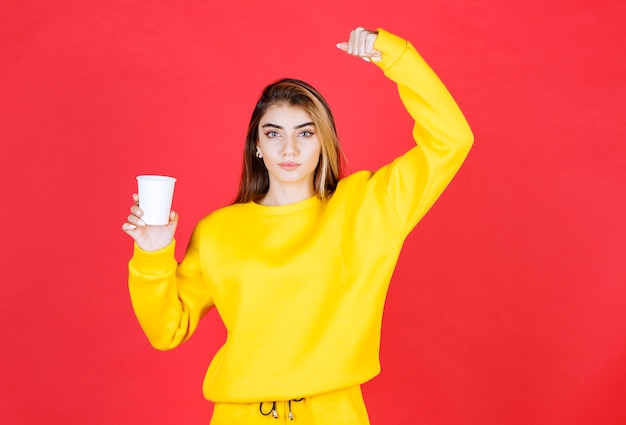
365, 59
377, 59
338, 45
141, 223
130, 227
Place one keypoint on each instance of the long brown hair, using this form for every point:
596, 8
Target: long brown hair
255, 181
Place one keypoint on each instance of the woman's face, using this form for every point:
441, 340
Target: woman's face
290, 147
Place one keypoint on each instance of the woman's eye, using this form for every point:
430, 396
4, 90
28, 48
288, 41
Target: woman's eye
272, 134
306, 134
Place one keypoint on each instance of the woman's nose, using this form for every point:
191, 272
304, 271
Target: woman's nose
290, 147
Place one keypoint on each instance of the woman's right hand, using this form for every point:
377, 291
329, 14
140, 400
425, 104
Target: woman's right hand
149, 238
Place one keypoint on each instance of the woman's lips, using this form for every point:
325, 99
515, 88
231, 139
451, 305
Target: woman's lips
289, 165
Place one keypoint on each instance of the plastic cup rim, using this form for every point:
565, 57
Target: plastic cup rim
155, 177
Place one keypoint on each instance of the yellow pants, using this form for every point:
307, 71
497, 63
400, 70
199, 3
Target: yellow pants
343, 407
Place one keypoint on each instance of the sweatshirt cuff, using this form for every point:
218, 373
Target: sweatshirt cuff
154, 263
391, 46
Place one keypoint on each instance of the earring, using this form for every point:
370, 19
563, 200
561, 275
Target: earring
259, 154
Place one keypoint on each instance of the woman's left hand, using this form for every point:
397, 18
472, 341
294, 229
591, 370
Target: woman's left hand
361, 44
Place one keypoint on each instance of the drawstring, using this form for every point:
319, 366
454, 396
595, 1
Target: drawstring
274, 412
290, 415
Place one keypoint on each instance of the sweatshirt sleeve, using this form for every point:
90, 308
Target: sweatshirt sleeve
414, 181
169, 299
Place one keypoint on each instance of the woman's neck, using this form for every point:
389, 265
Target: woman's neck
285, 195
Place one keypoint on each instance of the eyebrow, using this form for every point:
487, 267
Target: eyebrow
281, 127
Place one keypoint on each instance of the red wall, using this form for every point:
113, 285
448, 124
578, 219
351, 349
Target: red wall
508, 305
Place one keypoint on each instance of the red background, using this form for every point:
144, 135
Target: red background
508, 304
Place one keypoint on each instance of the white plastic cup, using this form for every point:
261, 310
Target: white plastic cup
155, 198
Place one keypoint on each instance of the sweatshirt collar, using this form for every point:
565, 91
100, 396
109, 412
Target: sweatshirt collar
287, 208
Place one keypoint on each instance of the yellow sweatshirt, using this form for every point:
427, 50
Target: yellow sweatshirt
301, 287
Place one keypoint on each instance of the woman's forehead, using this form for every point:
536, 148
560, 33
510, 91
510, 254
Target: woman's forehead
285, 115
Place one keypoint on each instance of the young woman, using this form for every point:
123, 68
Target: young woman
298, 267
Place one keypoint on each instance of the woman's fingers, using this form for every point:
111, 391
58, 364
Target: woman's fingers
149, 238
361, 44
353, 42
127, 227
135, 210
364, 50
135, 220
343, 46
